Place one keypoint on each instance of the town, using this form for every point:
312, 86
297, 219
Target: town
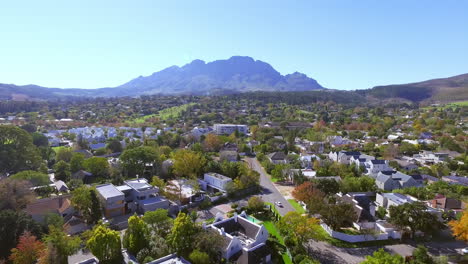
250, 178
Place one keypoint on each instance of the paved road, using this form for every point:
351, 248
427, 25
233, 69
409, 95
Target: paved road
269, 193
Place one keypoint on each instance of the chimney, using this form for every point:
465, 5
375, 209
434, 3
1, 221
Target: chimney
222, 231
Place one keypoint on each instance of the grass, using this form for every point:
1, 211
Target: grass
165, 114
297, 206
56, 149
450, 105
273, 231
273, 207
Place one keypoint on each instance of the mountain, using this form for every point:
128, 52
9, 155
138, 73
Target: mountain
444, 90
235, 75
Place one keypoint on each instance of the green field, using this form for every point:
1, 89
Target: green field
297, 206
449, 105
272, 230
56, 149
165, 114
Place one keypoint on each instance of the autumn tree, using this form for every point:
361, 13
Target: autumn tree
460, 227
28, 250
212, 142
188, 163
105, 244
136, 235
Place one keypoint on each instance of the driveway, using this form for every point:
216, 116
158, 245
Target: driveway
269, 192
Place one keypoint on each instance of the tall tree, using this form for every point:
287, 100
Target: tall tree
188, 163
76, 162
28, 250
136, 236
339, 214
105, 244
12, 226
460, 227
62, 171
84, 199
17, 151
60, 246
182, 234
415, 217
159, 221
64, 154
134, 160
212, 142
98, 166
34, 177
15, 194
301, 227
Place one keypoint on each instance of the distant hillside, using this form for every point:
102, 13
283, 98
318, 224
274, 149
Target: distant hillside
444, 90
235, 75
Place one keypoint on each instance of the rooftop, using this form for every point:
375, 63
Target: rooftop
217, 175
139, 184
108, 190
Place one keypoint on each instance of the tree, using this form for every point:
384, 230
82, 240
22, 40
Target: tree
134, 160
39, 140
382, 257
98, 166
208, 241
156, 248
136, 236
105, 244
60, 246
15, 194
84, 199
421, 256
328, 186
182, 234
256, 204
199, 257
64, 154
17, 151
28, 250
77, 162
34, 177
188, 163
212, 142
12, 226
415, 217
460, 227
114, 145
62, 171
158, 182
159, 221
339, 214
306, 191
358, 184
302, 228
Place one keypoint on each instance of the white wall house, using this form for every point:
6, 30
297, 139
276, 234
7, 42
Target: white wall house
215, 181
227, 129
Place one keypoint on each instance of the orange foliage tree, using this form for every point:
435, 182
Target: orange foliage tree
460, 227
28, 250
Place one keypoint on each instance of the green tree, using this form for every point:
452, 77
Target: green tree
77, 162
339, 214
64, 154
182, 234
415, 217
159, 221
105, 244
60, 245
382, 257
198, 257
188, 163
114, 146
421, 256
12, 226
98, 166
328, 186
134, 160
301, 227
85, 200
256, 204
17, 151
62, 171
136, 236
208, 241
15, 194
40, 140
34, 177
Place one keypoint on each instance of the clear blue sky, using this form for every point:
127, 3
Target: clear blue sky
344, 44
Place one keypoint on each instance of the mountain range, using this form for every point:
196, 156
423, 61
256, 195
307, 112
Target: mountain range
238, 74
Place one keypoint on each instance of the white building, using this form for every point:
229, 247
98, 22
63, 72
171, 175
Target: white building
227, 129
214, 181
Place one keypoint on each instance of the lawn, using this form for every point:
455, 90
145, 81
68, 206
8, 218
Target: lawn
297, 206
56, 149
273, 231
165, 114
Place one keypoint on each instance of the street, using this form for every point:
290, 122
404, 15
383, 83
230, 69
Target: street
269, 192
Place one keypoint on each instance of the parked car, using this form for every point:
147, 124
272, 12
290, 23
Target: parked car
279, 204
464, 251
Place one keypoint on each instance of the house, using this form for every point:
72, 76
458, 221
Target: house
197, 132
277, 158
60, 205
390, 180
228, 129
360, 161
112, 200
343, 157
336, 141
74, 225
183, 189
444, 203
373, 167
228, 146
244, 241
429, 157
170, 259
228, 155
61, 186
456, 180
307, 161
363, 205
82, 175
214, 182
425, 135
143, 195
386, 200
97, 146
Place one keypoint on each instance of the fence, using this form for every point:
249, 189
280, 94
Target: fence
354, 238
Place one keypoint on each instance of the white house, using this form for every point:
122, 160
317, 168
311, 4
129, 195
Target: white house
373, 167
214, 181
390, 180
227, 129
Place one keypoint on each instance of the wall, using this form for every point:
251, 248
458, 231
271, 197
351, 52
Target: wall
353, 238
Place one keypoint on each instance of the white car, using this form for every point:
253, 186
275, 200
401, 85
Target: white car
464, 251
279, 204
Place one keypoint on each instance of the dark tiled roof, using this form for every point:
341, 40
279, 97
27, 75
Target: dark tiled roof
352, 153
277, 156
255, 256
378, 161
